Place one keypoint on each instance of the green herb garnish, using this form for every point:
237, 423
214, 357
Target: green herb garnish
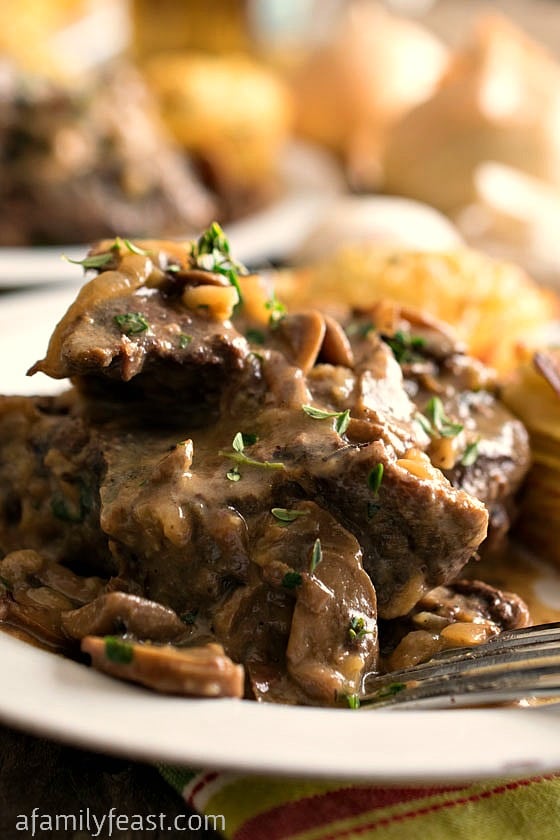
435, 422
316, 555
116, 650
211, 252
353, 701
233, 474
184, 340
375, 478
291, 580
357, 629
238, 455
470, 454
284, 515
131, 323
405, 347
135, 249
95, 261
277, 311
255, 336
342, 417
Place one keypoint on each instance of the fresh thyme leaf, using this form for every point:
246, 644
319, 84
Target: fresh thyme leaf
316, 555
375, 478
424, 423
173, 268
233, 474
439, 421
353, 701
357, 629
249, 438
135, 249
238, 454
95, 261
255, 336
190, 617
291, 580
116, 650
184, 340
405, 347
131, 323
285, 515
342, 417
211, 252
470, 454
277, 311
342, 422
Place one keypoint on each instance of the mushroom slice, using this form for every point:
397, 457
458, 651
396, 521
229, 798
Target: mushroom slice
203, 671
303, 333
112, 612
336, 349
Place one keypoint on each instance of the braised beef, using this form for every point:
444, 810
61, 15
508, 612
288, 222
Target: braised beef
267, 480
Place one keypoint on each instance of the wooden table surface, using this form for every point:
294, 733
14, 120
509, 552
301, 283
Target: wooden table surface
35, 773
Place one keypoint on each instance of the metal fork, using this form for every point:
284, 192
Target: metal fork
515, 665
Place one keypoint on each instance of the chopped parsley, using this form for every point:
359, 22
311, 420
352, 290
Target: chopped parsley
184, 340
405, 347
116, 650
357, 629
375, 478
285, 515
342, 418
436, 423
211, 252
291, 580
316, 555
470, 454
131, 323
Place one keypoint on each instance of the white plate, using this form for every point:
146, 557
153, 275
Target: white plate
46, 694
310, 182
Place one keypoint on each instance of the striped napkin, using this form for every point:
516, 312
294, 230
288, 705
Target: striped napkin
260, 808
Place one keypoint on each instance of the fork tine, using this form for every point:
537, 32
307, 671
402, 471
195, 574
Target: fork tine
516, 664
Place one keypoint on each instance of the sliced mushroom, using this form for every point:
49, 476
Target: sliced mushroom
336, 349
304, 334
118, 611
195, 672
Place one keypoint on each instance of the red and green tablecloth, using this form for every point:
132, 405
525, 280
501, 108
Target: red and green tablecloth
261, 808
